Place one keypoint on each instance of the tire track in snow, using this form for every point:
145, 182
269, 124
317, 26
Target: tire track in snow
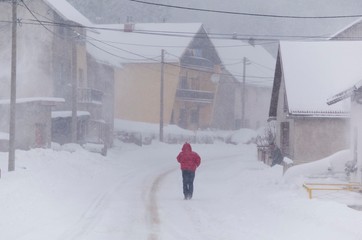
92, 214
153, 217
89, 218
152, 207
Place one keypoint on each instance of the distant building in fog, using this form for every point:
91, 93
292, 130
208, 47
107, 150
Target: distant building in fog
242, 98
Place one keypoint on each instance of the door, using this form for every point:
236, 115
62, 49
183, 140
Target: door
40, 135
284, 138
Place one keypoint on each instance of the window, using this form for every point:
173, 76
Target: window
195, 52
194, 118
40, 135
183, 82
183, 118
198, 52
285, 107
195, 83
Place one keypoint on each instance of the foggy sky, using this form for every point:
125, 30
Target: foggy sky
245, 26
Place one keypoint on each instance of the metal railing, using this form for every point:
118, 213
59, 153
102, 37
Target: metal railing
197, 62
195, 95
88, 95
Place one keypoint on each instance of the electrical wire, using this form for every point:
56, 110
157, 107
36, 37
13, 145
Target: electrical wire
243, 37
86, 38
186, 34
40, 22
260, 37
245, 13
76, 35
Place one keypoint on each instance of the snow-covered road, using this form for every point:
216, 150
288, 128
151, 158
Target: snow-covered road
136, 193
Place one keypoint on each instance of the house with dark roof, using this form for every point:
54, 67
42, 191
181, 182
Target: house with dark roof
306, 75
181, 54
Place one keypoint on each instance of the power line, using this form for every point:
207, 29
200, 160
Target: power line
245, 13
123, 50
223, 74
243, 37
38, 20
88, 38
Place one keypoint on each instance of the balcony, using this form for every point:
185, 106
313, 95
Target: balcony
197, 62
195, 95
88, 95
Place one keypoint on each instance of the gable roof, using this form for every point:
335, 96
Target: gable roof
67, 11
315, 71
143, 44
261, 64
347, 27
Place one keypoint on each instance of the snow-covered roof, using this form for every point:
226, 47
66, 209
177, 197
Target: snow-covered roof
67, 114
315, 71
44, 100
260, 63
67, 11
348, 26
111, 44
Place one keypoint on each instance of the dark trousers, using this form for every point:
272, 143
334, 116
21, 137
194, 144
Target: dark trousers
188, 183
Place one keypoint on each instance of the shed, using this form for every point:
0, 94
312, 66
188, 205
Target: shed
33, 121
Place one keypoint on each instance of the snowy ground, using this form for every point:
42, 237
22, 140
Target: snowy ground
136, 193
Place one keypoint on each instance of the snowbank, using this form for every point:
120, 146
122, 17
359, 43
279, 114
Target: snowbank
333, 165
144, 133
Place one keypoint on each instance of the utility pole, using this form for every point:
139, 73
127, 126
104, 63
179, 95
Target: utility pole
73, 62
11, 166
161, 94
243, 95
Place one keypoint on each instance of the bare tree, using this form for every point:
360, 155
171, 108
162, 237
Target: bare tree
264, 140
268, 136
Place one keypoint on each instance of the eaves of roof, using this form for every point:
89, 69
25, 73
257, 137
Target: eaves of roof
68, 12
318, 114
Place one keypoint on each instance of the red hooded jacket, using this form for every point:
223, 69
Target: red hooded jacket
188, 159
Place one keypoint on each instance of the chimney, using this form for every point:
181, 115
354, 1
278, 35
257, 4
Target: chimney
129, 25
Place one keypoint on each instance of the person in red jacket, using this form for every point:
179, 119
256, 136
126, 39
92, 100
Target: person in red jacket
189, 161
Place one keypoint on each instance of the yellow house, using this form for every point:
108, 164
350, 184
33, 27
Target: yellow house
178, 54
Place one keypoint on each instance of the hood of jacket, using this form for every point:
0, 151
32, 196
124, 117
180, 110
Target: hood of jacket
186, 147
